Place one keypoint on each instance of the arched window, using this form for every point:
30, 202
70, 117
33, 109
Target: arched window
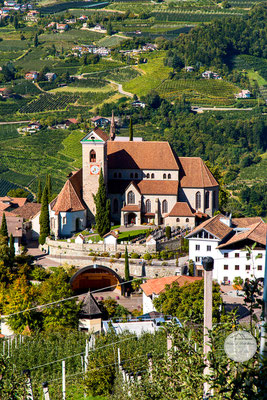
131, 175
92, 156
187, 220
148, 206
198, 200
207, 199
115, 175
131, 198
177, 219
148, 176
164, 207
136, 175
152, 176
164, 176
169, 176
115, 206
119, 174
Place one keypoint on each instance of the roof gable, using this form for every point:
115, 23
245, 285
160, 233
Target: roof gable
213, 226
69, 199
95, 136
181, 209
158, 285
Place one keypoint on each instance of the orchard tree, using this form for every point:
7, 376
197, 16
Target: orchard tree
102, 203
19, 192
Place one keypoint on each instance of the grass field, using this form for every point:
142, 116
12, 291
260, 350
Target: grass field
154, 72
111, 41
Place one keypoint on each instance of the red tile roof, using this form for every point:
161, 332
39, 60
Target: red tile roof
142, 155
14, 201
213, 226
181, 209
112, 233
255, 233
131, 207
14, 225
195, 173
101, 134
158, 187
244, 222
158, 285
28, 211
69, 199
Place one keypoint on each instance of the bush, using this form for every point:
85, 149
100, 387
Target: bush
135, 255
117, 255
147, 256
104, 254
38, 274
168, 232
164, 255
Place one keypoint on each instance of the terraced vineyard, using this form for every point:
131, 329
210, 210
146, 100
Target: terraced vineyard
6, 186
48, 102
202, 88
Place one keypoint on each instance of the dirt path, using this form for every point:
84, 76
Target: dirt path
120, 89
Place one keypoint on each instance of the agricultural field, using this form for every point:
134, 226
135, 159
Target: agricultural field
202, 89
154, 72
111, 41
6, 186
49, 102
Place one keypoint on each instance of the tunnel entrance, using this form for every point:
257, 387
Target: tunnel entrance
95, 277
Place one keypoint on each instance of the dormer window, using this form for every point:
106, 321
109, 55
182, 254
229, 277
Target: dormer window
169, 176
152, 176
136, 175
164, 176
131, 175
115, 174
92, 156
148, 176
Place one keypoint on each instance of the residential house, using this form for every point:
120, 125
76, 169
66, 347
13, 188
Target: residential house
50, 76
152, 288
14, 227
138, 103
100, 121
31, 75
227, 240
3, 92
210, 75
32, 16
30, 213
244, 94
189, 69
62, 27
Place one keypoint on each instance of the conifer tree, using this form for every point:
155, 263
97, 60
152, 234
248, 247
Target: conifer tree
102, 217
36, 41
126, 265
39, 193
131, 130
3, 229
49, 186
44, 218
12, 247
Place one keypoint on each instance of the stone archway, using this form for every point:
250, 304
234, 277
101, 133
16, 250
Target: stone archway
131, 218
95, 277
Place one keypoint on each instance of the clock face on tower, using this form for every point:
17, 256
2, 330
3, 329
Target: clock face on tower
94, 169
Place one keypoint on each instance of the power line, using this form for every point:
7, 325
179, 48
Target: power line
66, 299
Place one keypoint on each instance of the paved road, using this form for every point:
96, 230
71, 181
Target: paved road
14, 122
120, 89
202, 109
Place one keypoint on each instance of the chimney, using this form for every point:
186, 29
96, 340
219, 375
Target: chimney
112, 132
227, 220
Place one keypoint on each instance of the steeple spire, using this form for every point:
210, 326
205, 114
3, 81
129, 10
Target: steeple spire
112, 132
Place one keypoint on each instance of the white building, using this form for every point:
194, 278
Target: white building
154, 287
227, 241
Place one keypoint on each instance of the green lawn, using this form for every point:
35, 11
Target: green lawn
255, 76
130, 235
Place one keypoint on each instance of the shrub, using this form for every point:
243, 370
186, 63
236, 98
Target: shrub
164, 255
135, 255
117, 255
38, 273
164, 263
147, 256
168, 232
105, 254
92, 253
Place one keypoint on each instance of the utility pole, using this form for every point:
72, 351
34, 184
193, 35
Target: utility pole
208, 264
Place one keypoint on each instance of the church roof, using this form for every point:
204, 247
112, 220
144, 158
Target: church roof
141, 155
195, 173
69, 199
158, 187
181, 209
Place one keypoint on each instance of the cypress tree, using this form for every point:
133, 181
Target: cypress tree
126, 268
39, 193
131, 130
49, 186
44, 217
12, 247
36, 41
3, 229
102, 217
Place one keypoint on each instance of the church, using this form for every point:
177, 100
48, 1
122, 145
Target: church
146, 182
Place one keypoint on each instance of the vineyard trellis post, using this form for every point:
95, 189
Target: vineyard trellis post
63, 380
45, 391
29, 394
